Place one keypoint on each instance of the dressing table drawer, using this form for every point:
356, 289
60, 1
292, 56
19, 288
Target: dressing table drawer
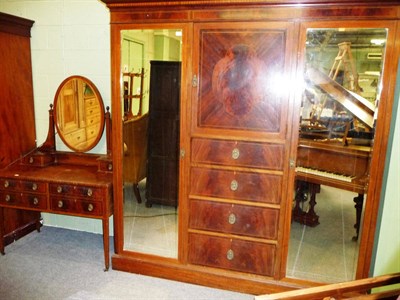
227, 184
232, 254
234, 219
233, 153
92, 110
24, 200
92, 193
76, 206
17, 185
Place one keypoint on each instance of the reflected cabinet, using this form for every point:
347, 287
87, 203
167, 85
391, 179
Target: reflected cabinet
277, 104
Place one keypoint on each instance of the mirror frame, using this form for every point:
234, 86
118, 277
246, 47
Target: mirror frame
102, 117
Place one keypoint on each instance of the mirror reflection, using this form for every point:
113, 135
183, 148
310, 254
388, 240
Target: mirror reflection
151, 68
79, 113
342, 72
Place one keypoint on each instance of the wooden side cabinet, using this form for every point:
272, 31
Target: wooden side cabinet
17, 121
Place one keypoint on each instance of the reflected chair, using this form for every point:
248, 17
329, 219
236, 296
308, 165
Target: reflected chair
135, 151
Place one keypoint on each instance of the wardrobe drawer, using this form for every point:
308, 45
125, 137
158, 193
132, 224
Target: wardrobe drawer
76, 206
244, 154
234, 219
259, 187
92, 131
232, 254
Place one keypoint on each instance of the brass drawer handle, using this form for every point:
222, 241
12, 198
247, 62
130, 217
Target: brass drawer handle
34, 186
6, 183
235, 153
60, 204
59, 189
234, 185
8, 198
230, 255
35, 201
89, 192
90, 207
232, 219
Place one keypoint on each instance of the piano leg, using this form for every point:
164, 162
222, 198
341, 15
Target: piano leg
359, 201
309, 218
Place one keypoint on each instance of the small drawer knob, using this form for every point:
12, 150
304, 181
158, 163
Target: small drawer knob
235, 153
8, 198
35, 201
60, 204
31, 160
234, 185
232, 219
89, 192
230, 255
90, 207
34, 186
59, 189
110, 167
6, 183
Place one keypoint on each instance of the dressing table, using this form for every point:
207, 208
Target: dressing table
69, 183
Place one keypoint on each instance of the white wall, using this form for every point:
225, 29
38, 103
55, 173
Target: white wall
387, 259
69, 37
72, 37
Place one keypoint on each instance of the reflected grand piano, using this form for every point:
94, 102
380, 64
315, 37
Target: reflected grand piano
332, 162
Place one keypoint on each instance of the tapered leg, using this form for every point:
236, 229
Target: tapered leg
2, 231
106, 243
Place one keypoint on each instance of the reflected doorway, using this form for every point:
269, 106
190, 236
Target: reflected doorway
342, 73
151, 84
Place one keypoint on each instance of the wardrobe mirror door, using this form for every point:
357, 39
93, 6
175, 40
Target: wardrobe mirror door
150, 72
343, 68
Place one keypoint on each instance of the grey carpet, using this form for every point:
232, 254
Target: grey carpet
66, 264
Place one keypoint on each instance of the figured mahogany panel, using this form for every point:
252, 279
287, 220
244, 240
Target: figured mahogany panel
234, 219
244, 154
226, 184
238, 74
232, 254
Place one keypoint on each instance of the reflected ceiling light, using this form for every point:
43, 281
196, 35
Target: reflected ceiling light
378, 42
178, 33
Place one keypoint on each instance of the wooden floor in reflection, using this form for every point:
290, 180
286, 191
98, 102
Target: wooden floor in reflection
325, 253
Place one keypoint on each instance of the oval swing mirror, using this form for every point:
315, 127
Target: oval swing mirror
79, 113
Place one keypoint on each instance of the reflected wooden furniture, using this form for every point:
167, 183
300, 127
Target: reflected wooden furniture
130, 95
356, 289
68, 183
163, 141
333, 164
322, 160
237, 147
135, 132
17, 129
